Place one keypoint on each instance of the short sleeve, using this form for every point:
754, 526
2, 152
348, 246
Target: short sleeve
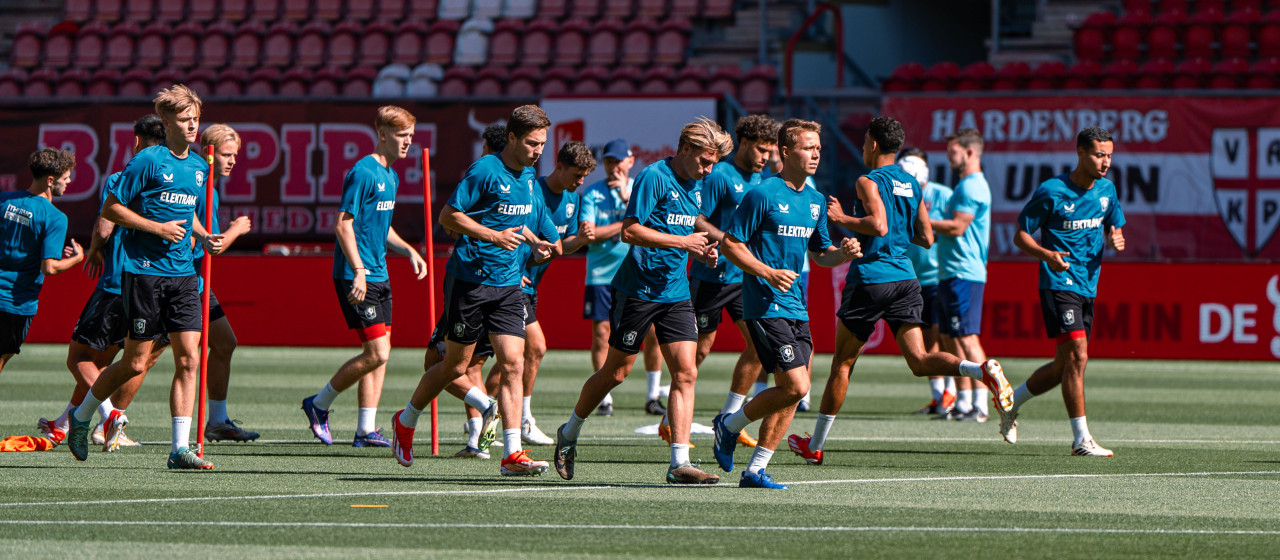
132, 179
1036, 211
545, 228
970, 199
750, 215
55, 235
644, 197
1115, 215
714, 188
467, 193
354, 188
821, 238
587, 210
571, 228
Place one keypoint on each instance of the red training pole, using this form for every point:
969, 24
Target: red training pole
431, 281
206, 273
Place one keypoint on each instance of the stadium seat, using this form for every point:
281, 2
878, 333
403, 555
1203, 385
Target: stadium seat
391, 81
1264, 74
90, 42
622, 10
1046, 76
686, 9
724, 80
975, 77
553, 9
40, 83
375, 44
118, 52
327, 11
234, 11
1169, 5
263, 11
653, 9
940, 77
590, 81
108, 10
364, 10
76, 10
717, 9
1191, 74
1216, 5
588, 9
294, 83
453, 9
1089, 40
103, 83
358, 82
71, 83
277, 47
457, 81
153, 44
602, 46
1165, 34
1237, 33
298, 10
524, 82
58, 47
1081, 75
906, 77
1229, 74
1154, 74
136, 82
341, 46
1011, 77
215, 45
657, 80
757, 88
28, 42
1202, 32
166, 78
571, 43
671, 42
519, 9
489, 82
1127, 36
231, 82
535, 49
440, 41
556, 81
325, 82
504, 43
424, 80
140, 10
472, 47
386, 10
1134, 5
11, 82
309, 50
1118, 74
637, 42
406, 47
623, 80
487, 9
247, 44
184, 45
691, 79
201, 80
1237, 5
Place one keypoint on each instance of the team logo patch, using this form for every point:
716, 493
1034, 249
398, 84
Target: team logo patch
1068, 208
568, 210
629, 339
504, 188
784, 208
1246, 184
459, 330
1104, 202
697, 196
1069, 317
200, 177
787, 352
815, 210
382, 187
737, 187
139, 326
703, 320
587, 307
168, 178
675, 195
370, 312
955, 322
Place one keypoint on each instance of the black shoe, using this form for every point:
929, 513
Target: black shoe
655, 407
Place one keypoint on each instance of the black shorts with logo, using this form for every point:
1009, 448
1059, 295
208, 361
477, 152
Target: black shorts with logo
483, 346
630, 320
374, 310
155, 305
898, 303
781, 344
1066, 312
531, 308
474, 310
709, 298
101, 324
13, 331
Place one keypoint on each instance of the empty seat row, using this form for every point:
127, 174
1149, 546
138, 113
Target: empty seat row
141, 82
1188, 6
1171, 34
1197, 73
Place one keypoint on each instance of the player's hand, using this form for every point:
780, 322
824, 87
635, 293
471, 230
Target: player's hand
242, 223
587, 231
1115, 239
509, 239
694, 242
851, 248
213, 244
835, 213
357, 293
93, 264
1058, 261
781, 279
172, 232
543, 252
524, 281
419, 265
73, 250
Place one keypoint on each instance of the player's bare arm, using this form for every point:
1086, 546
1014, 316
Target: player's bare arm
604, 233
113, 210
398, 244
344, 230
1056, 260
1115, 238
212, 243
71, 256
701, 223
833, 256
954, 227
923, 230
235, 229
93, 258
457, 220
738, 254
695, 243
874, 223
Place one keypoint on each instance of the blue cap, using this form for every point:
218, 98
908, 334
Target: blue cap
617, 149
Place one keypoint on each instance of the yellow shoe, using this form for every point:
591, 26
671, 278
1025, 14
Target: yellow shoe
744, 439
664, 432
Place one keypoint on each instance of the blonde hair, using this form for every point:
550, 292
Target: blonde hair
218, 134
390, 116
705, 134
176, 99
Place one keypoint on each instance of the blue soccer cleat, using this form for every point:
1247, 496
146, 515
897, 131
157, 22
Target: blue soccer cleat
319, 420
725, 443
371, 439
760, 480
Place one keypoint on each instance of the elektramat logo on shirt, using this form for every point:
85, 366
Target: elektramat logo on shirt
515, 209
386, 205
680, 220
795, 231
179, 198
1090, 223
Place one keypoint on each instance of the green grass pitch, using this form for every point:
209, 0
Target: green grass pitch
1196, 474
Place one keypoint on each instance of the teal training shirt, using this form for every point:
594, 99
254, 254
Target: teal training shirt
663, 203
924, 260
499, 198
369, 195
965, 256
722, 192
884, 258
31, 230
1076, 221
161, 187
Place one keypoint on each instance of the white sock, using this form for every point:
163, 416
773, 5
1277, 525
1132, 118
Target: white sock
409, 416
511, 440
664, 391
679, 454
951, 385
181, 433
981, 400
964, 402
324, 399
971, 369
805, 399
217, 413
737, 421
84, 412
1021, 395
104, 409
655, 384
608, 399
732, 403
820, 430
757, 387
1080, 430
365, 421
937, 386
61, 422
474, 427
477, 399
528, 411
573, 427
759, 459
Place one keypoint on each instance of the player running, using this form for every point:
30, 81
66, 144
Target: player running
1078, 215
767, 238
887, 217
653, 290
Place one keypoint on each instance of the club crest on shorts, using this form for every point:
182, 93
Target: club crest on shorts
955, 323
1069, 317
629, 339
788, 353
370, 312
815, 210
459, 330
703, 320
587, 307
139, 326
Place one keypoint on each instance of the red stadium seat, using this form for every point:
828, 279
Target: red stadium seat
940, 77
1127, 37
76, 10
524, 82
440, 42
553, 9
40, 83
198, 11
300, 10
1269, 35
1229, 74
375, 44
457, 81
90, 42
1191, 74
1237, 5
406, 45
71, 83
654, 9
637, 42
342, 46
691, 79
1047, 76
1082, 75
976, 76
1134, 5
309, 48
108, 10
756, 90
153, 44
589, 9
717, 9
140, 10
602, 47
234, 11
657, 80
201, 80
686, 9
1091, 37
1202, 32
167, 78
1011, 77
619, 9
906, 77
11, 82
1154, 74
1264, 74
28, 44
556, 81
590, 81
277, 48
489, 81
103, 83
325, 83
623, 80
231, 82
1166, 32
120, 43
184, 44
136, 82
1216, 5
359, 82
364, 10
215, 46
672, 42
1237, 34
1170, 5
535, 49
263, 11
724, 80
571, 43
58, 47
295, 82
263, 82
247, 44
421, 8
1118, 74
504, 43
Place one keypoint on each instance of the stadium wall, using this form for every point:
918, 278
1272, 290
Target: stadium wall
1145, 310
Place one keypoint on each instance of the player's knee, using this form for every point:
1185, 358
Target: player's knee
1078, 357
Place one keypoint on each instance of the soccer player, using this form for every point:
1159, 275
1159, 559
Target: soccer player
925, 262
767, 238
964, 233
653, 291
491, 208
718, 288
558, 195
156, 199
603, 204
1077, 214
32, 234
882, 284
495, 139
222, 340
360, 276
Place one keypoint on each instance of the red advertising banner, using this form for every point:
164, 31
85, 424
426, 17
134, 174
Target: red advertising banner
1198, 177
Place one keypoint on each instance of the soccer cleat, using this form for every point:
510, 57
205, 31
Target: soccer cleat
1090, 448
51, 431
228, 431
1001, 391
519, 464
605, 409
725, 442
800, 446
114, 431
471, 453
402, 440
566, 453
931, 408
664, 432
975, 415
99, 435
689, 474
761, 480
530, 434
802, 406
319, 420
185, 459
489, 418
371, 439
655, 407
78, 438
1009, 426
948, 401
746, 440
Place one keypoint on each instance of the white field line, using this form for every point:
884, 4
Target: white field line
578, 527
455, 440
558, 488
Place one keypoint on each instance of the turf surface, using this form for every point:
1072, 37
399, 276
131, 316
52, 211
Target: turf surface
1196, 474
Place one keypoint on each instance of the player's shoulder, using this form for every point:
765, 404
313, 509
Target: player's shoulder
1105, 186
1053, 186
594, 191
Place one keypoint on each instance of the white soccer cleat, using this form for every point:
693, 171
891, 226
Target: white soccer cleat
530, 434
1009, 426
1090, 448
1001, 391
